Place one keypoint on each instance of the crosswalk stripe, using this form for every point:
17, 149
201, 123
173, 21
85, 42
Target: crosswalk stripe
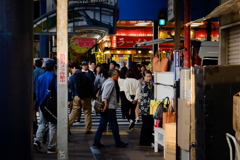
95, 119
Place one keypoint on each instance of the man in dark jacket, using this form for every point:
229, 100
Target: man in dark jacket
80, 101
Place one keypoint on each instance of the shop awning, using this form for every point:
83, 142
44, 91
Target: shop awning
160, 41
225, 8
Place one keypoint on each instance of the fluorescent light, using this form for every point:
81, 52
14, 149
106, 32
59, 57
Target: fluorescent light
142, 23
196, 24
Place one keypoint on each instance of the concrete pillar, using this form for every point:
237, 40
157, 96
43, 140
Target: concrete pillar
16, 91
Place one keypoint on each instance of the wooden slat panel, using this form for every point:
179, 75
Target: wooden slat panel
234, 45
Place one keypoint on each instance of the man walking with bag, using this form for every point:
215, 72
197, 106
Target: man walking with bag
43, 84
108, 114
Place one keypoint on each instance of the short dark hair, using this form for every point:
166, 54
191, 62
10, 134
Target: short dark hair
95, 69
49, 68
144, 67
114, 63
130, 73
123, 72
104, 69
38, 63
111, 72
75, 64
90, 62
117, 65
147, 72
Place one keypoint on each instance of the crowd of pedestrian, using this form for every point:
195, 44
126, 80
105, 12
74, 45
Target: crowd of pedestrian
131, 86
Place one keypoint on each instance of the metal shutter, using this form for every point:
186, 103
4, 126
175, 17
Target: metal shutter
234, 45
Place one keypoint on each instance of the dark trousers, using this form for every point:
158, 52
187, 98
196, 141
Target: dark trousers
131, 107
146, 137
123, 103
108, 116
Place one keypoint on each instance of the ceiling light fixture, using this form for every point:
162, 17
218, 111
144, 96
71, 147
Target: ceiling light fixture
142, 23
196, 24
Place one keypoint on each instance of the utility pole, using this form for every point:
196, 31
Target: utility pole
177, 27
177, 15
62, 72
187, 30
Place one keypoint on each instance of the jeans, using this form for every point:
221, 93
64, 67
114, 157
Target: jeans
108, 116
42, 128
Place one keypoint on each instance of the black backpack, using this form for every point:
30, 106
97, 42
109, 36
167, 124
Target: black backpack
49, 105
83, 85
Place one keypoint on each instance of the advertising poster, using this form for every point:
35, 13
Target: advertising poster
122, 57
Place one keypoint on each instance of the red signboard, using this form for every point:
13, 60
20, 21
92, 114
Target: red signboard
114, 45
129, 41
85, 42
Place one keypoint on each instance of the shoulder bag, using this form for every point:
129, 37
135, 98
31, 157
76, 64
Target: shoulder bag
99, 104
169, 116
162, 107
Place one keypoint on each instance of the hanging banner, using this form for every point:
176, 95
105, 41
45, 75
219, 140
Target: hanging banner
85, 42
79, 46
170, 10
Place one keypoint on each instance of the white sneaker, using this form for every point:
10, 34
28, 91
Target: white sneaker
51, 150
131, 125
137, 120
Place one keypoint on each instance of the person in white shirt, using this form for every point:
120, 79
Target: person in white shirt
132, 90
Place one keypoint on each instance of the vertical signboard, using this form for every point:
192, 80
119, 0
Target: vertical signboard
114, 41
176, 64
170, 10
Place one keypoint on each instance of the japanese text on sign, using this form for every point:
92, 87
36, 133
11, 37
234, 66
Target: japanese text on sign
62, 68
129, 41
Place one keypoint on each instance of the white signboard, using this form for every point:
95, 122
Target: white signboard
163, 85
170, 10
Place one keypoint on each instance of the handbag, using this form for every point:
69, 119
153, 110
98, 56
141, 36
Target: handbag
153, 106
99, 104
49, 105
162, 107
169, 116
